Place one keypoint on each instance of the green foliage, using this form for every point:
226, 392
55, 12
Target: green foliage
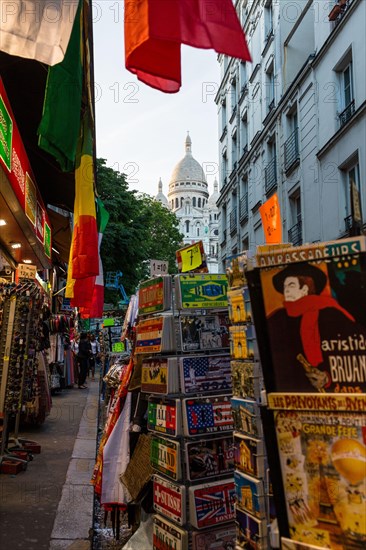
139, 229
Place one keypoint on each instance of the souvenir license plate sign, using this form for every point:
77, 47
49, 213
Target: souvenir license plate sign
222, 538
165, 457
212, 504
209, 458
170, 499
166, 535
205, 373
164, 416
207, 415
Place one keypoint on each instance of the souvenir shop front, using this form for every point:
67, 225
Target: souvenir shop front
25, 266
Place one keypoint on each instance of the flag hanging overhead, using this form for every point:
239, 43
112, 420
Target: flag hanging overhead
37, 30
84, 258
97, 301
155, 30
60, 124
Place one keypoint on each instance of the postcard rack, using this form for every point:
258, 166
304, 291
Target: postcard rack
187, 380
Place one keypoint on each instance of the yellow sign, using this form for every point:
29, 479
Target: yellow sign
191, 257
271, 220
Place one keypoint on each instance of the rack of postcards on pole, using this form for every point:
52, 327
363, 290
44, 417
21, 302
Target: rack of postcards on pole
183, 335
254, 510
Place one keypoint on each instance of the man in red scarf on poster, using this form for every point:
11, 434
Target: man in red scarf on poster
315, 342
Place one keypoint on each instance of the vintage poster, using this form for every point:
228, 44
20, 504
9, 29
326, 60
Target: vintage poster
205, 373
207, 415
165, 457
153, 295
240, 310
169, 499
204, 332
155, 335
323, 462
235, 267
247, 379
250, 531
316, 321
211, 504
201, 291
250, 495
167, 535
249, 455
159, 375
164, 416
243, 344
246, 417
222, 538
208, 458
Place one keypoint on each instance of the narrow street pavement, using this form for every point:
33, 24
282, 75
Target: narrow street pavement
49, 506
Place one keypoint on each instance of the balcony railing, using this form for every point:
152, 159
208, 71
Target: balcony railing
270, 176
243, 208
233, 113
243, 92
348, 222
295, 234
233, 222
292, 153
348, 113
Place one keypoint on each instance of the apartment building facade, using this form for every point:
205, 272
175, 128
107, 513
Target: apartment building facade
294, 122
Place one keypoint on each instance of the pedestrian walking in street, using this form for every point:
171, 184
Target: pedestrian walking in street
84, 355
95, 348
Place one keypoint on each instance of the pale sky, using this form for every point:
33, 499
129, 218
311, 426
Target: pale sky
141, 131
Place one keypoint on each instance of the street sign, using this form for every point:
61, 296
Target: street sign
158, 267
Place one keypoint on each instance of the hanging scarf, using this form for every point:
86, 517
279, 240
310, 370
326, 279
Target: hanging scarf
308, 308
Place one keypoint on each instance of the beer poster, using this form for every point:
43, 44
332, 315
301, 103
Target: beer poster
323, 463
316, 317
169, 499
167, 535
209, 458
165, 457
205, 373
211, 504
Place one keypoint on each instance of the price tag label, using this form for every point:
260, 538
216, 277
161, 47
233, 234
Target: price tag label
118, 346
158, 267
26, 271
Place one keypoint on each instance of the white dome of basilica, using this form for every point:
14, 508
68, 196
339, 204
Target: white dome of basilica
160, 197
188, 169
215, 196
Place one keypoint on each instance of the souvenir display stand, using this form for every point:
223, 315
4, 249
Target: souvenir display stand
24, 378
256, 525
309, 310
182, 340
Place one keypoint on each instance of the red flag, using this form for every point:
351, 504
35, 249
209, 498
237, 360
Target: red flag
155, 30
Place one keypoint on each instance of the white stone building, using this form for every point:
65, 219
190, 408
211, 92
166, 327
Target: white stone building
294, 122
189, 199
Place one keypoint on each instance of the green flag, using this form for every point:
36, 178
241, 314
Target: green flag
60, 124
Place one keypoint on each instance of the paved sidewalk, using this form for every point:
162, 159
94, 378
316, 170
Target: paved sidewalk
50, 505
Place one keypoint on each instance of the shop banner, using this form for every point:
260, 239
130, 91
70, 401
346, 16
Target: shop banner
271, 220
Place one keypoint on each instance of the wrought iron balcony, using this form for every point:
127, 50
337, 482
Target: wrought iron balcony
292, 152
233, 222
295, 234
270, 176
348, 113
243, 208
233, 113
